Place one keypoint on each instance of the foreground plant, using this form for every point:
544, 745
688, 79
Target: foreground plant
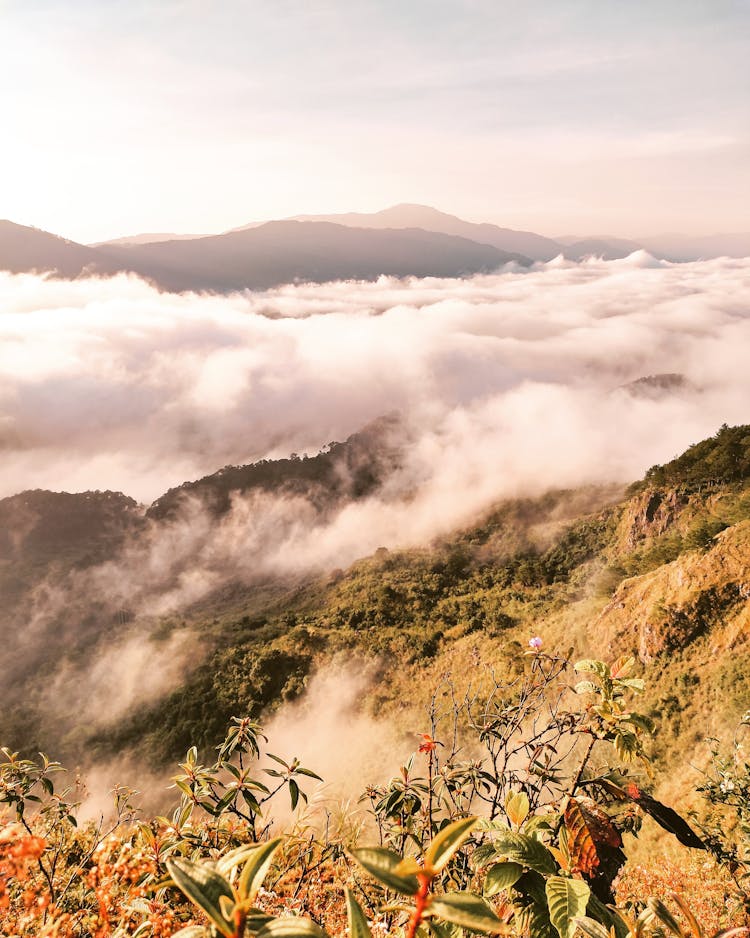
45, 815
230, 787
228, 900
657, 920
416, 879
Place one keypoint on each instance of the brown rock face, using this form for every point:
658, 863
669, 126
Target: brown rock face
652, 513
668, 608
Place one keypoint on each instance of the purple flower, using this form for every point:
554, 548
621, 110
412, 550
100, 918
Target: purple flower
535, 643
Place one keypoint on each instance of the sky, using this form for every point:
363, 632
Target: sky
560, 116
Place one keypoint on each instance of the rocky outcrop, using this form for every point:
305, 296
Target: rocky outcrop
669, 607
651, 513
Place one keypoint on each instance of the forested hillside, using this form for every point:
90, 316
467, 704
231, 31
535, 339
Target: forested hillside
660, 571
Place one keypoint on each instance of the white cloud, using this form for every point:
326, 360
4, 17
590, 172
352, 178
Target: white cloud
110, 384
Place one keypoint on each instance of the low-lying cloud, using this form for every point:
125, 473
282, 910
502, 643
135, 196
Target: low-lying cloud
507, 378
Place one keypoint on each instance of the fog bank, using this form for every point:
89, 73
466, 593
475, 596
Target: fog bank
110, 384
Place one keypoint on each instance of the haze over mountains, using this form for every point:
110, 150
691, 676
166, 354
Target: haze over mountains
404, 240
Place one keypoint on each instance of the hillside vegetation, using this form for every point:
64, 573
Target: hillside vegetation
474, 639
661, 573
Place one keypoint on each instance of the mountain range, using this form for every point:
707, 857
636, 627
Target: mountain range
405, 240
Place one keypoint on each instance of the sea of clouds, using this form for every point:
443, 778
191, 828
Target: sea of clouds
509, 378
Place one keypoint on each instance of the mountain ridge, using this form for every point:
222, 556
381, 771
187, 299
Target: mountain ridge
404, 240
260, 258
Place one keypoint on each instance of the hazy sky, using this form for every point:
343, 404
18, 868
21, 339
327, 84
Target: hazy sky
583, 116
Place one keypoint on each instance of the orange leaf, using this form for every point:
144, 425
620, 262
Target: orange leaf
589, 829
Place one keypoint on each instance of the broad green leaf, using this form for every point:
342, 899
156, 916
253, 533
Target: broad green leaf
485, 824
381, 863
534, 917
610, 919
528, 851
641, 721
501, 876
291, 927
408, 866
234, 858
592, 928
540, 822
204, 887
634, 683
447, 842
590, 666
483, 854
468, 911
567, 900
586, 687
537, 923
440, 929
255, 869
517, 807
358, 927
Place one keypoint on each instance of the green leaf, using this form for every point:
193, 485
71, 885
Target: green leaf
567, 900
292, 927
192, 931
381, 863
634, 683
485, 824
586, 687
233, 858
590, 666
255, 869
626, 744
309, 773
358, 927
501, 876
468, 911
528, 851
517, 807
607, 917
439, 930
204, 887
592, 928
641, 721
533, 917
447, 842
225, 801
482, 855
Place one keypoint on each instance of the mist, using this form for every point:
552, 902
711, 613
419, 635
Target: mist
108, 384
